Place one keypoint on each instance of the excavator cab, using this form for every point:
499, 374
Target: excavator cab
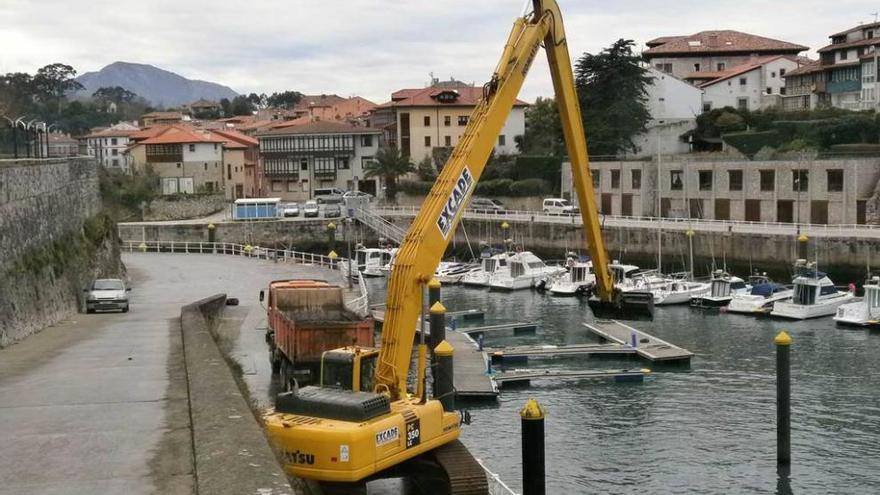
349, 368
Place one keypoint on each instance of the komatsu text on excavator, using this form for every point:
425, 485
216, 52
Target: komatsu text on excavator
345, 434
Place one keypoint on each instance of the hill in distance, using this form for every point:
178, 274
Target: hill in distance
160, 87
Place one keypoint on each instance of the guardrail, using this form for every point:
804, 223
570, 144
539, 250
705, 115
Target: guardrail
380, 225
704, 225
359, 305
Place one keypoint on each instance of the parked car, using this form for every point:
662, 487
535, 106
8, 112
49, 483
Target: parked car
291, 210
487, 205
559, 206
107, 294
332, 211
328, 195
357, 194
311, 208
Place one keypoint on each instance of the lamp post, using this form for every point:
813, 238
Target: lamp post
348, 223
504, 227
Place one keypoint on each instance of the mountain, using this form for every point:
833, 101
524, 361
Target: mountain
160, 87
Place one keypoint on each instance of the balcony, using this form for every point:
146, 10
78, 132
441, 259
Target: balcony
835, 87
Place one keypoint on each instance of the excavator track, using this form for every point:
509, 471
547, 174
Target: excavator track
465, 475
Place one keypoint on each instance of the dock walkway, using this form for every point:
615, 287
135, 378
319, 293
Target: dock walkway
524, 353
522, 377
647, 346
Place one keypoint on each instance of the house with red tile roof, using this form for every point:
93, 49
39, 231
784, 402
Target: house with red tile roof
187, 160
845, 75
241, 157
712, 51
108, 146
159, 118
418, 120
298, 159
754, 85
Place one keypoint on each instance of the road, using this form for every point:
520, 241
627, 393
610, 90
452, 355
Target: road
98, 403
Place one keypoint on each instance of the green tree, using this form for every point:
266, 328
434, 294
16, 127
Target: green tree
612, 90
426, 169
226, 105
242, 106
389, 164
285, 99
543, 134
115, 94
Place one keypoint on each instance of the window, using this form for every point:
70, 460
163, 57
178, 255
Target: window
781, 72
304, 164
769, 90
113, 141
342, 162
743, 81
367, 140
447, 141
277, 186
773, 74
447, 120
705, 180
192, 148
115, 152
720, 66
707, 106
768, 180
835, 180
615, 179
427, 121
782, 90
636, 179
696, 67
206, 166
843, 55
502, 140
800, 180
427, 140
675, 182
116, 164
742, 103
463, 119
735, 180
229, 171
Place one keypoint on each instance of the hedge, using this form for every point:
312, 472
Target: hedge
750, 143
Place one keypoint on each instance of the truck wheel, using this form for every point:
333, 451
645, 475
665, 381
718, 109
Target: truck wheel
286, 376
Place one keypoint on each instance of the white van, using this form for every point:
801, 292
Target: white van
328, 195
559, 206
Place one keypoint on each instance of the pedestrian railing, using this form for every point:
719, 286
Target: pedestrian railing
496, 486
683, 224
381, 226
359, 305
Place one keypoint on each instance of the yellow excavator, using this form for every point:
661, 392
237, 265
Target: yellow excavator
342, 431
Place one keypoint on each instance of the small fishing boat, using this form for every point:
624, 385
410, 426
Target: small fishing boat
579, 278
814, 295
676, 289
764, 293
370, 262
722, 288
865, 312
524, 271
490, 262
452, 272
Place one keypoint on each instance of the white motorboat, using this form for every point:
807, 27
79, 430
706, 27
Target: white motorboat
370, 262
675, 289
760, 299
814, 296
490, 262
524, 270
865, 312
451, 272
722, 288
577, 280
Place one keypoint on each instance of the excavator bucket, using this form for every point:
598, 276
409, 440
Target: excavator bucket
631, 305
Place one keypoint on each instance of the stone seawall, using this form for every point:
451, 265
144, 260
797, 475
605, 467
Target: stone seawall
54, 239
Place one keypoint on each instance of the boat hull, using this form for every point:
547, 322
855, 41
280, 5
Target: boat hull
794, 311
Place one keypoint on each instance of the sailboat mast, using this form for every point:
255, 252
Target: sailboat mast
659, 215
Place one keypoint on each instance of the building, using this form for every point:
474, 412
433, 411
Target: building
241, 154
712, 51
61, 145
185, 159
108, 146
298, 159
845, 75
833, 191
754, 85
160, 118
674, 105
419, 120
205, 109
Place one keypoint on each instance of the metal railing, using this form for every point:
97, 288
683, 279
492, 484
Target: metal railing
359, 305
683, 224
382, 227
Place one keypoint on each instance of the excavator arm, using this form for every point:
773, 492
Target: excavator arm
431, 231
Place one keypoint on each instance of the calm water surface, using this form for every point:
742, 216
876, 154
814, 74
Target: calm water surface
710, 429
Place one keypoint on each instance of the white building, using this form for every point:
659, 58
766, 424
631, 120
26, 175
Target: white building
674, 105
755, 85
301, 158
108, 146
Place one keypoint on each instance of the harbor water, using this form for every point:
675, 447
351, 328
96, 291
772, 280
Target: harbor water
706, 429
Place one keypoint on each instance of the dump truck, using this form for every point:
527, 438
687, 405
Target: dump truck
306, 318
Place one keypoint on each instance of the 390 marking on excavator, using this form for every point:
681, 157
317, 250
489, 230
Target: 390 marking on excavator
456, 200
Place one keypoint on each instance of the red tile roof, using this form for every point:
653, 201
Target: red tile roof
721, 41
175, 134
231, 136
810, 68
319, 127
857, 28
851, 44
468, 96
112, 132
662, 40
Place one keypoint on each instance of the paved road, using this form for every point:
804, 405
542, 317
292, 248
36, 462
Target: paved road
98, 403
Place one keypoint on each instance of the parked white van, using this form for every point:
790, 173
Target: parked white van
559, 206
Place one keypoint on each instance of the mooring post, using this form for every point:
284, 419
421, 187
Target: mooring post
480, 342
444, 388
438, 324
532, 419
783, 398
433, 292
802, 247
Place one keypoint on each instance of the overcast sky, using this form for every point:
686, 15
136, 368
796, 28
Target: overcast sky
367, 47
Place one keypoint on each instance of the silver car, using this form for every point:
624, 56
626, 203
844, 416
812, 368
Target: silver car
107, 294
